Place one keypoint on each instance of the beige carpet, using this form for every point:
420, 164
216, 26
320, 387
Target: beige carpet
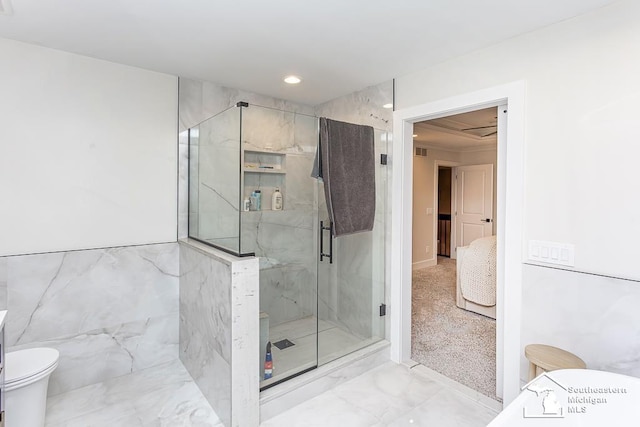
454, 342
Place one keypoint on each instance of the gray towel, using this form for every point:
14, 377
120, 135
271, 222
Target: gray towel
345, 162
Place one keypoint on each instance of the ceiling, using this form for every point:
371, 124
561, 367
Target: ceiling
336, 46
471, 131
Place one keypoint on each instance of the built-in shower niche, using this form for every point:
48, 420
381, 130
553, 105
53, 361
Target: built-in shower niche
317, 311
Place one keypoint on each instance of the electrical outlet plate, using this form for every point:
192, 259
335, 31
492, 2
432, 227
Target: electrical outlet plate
552, 252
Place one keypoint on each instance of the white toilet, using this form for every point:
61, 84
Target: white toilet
26, 380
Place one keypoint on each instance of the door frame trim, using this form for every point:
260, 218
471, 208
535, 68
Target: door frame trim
509, 230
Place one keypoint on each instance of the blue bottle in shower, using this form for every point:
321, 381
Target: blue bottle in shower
268, 363
256, 200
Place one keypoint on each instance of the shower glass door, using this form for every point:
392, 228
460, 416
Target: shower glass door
312, 311
278, 149
351, 279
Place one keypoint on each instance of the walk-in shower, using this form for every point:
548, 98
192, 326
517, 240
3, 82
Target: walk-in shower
321, 297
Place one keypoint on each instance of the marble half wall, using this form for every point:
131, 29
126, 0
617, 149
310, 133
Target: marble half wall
594, 317
219, 329
109, 311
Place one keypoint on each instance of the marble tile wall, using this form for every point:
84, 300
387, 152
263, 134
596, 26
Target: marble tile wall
219, 329
3, 283
347, 295
364, 107
594, 317
200, 100
286, 260
109, 312
285, 241
218, 179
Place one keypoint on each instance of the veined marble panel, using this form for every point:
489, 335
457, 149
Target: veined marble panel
205, 306
355, 283
351, 290
191, 209
301, 189
205, 326
287, 293
164, 395
216, 98
110, 352
219, 177
594, 317
190, 103
279, 131
268, 129
71, 293
201, 100
363, 107
219, 329
3, 283
183, 184
245, 328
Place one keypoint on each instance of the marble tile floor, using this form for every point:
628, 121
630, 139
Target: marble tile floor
390, 395
165, 395
330, 343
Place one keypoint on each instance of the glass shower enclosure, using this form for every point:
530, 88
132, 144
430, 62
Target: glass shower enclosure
317, 303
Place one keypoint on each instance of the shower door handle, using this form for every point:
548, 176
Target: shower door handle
322, 230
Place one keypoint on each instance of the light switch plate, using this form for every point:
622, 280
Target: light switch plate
552, 252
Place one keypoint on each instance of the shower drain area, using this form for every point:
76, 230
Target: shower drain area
282, 344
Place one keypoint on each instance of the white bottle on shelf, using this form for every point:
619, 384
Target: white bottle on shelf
276, 200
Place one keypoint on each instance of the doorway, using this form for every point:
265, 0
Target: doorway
444, 210
509, 231
450, 335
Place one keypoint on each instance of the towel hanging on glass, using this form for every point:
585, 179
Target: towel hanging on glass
345, 162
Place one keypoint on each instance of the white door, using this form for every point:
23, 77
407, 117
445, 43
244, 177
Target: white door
474, 203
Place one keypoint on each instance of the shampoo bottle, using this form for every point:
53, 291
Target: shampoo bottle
276, 200
258, 194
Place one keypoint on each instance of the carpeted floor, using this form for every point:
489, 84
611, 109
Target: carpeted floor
454, 342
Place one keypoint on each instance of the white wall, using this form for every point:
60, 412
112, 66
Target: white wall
581, 118
87, 152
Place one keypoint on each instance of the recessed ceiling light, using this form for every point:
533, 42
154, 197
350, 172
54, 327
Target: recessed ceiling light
387, 106
415, 135
292, 80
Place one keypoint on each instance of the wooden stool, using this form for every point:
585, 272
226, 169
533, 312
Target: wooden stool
544, 358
